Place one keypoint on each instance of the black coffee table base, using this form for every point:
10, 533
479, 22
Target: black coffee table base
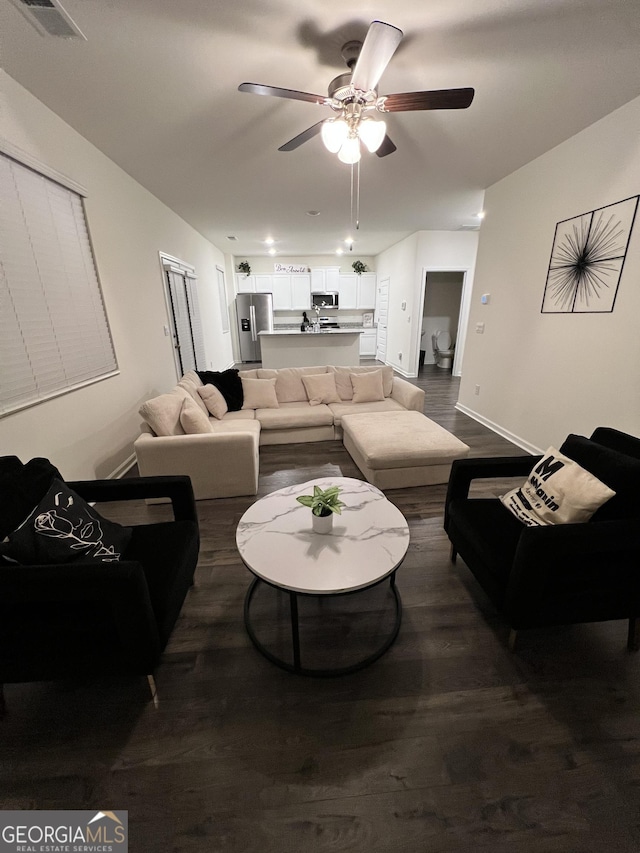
297, 666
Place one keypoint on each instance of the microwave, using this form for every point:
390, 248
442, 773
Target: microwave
324, 300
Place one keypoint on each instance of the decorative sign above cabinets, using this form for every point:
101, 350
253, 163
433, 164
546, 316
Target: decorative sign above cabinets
289, 268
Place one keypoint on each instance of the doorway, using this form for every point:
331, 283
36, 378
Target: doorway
382, 313
444, 309
184, 315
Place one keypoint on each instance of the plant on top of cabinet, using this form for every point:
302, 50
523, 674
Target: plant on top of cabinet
244, 267
359, 267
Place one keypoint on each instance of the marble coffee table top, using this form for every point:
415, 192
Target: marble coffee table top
368, 542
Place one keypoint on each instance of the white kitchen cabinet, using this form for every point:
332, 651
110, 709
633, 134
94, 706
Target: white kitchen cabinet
300, 292
325, 279
264, 283
368, 344
366, 290
245, 283
281, 289
348, 291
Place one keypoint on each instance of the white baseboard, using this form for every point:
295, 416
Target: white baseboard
122, 469
505, 433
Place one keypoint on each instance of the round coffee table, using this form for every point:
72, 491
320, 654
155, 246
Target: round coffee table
368, 543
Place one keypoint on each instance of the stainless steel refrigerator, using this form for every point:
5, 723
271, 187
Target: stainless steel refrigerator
255, 314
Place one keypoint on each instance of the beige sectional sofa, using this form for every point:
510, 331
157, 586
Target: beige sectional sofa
222, 460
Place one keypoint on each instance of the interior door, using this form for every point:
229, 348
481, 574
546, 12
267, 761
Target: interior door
382, 312
186, 326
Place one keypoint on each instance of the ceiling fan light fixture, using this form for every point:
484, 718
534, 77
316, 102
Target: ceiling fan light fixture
350, 151
334, 133
372, 133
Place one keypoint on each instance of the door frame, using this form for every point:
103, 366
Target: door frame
170, 328
463, 320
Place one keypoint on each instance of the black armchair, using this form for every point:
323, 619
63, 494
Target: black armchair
90, 617
557, 574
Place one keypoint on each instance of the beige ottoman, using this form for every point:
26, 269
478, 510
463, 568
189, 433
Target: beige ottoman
397, 450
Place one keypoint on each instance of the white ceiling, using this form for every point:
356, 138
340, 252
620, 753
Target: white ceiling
155, 88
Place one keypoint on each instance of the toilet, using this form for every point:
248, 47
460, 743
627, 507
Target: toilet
442, 348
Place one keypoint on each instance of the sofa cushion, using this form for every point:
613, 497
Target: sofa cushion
249, 374
235, 425
163, 413
321, 388
259, 394
345, 386
192, 420
289, 385
228, 383
61, 528
367, 387
295, 415
214, 402
557, 491
242, 415
192, 389
340, 409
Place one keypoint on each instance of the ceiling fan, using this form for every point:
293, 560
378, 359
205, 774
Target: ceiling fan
353, 96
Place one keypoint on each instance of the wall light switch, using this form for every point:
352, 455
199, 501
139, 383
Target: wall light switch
166, 331
480, 328
403, 305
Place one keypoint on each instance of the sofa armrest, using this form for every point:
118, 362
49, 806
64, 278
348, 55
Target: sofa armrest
595, 562
177, 488
408, 395
220, 465
464, 471
118, 590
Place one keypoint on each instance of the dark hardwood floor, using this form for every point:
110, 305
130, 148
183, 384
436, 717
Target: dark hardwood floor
448, 743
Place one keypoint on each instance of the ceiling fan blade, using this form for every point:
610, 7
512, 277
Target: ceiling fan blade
387, 147
440, 99
274, 91
377, 49
305, 136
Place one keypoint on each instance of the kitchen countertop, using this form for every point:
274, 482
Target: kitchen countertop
288, 332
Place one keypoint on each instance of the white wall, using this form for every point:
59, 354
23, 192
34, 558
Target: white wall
406, 264
542, 376
90, 432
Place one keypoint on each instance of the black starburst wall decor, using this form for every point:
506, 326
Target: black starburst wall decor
587, 258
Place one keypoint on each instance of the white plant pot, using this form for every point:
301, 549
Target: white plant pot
322, 523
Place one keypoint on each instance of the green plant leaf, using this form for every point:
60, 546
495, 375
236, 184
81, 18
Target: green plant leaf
305, 500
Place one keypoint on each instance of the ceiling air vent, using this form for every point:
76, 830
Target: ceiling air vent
49, 18
471, 227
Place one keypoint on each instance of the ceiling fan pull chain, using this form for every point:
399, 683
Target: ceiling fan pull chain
358, 197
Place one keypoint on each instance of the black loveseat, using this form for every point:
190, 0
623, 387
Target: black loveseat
87, 617
557, 574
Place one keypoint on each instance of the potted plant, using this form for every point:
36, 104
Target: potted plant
322, 503
359, 267
244, 267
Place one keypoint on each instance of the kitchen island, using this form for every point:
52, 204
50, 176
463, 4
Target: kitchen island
294, 348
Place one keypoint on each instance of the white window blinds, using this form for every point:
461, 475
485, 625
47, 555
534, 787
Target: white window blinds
54, 334
185, 309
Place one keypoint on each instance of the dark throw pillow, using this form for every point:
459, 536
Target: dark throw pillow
62, 528
21, 488
228, 383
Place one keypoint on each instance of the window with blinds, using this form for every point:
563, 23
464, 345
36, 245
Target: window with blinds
54, 333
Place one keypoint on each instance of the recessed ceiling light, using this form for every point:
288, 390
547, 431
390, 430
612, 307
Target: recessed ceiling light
349, 241
481, 214
339, 251
269, 241
272, 251
313, 213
